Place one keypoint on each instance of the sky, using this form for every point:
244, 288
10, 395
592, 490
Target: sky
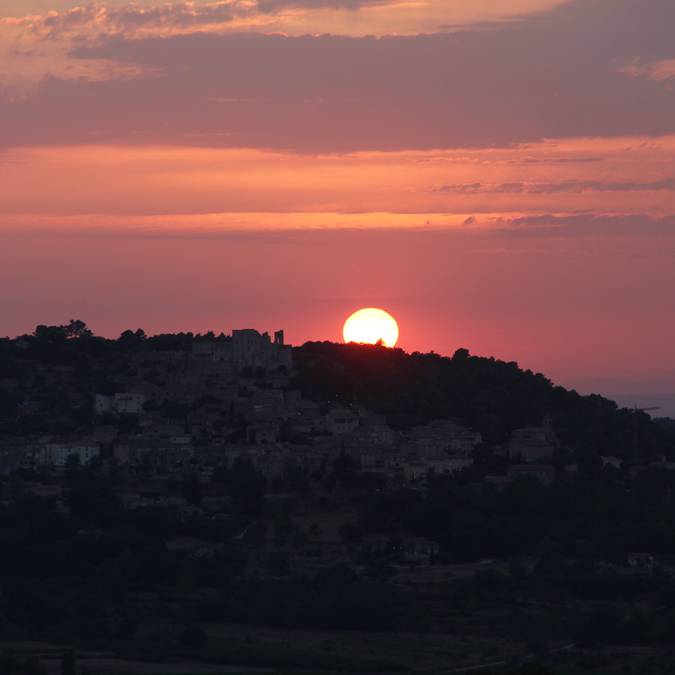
497, 174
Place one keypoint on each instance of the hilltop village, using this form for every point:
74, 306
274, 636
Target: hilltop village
160, 493
174, 412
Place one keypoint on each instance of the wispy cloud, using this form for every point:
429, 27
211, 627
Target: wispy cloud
557, 160
316, 93
561, 187
98, 18
132, 19
659, 71
590, 224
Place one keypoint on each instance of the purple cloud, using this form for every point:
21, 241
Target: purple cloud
561, 187
590, 224
177, 15
552, 75
275, 5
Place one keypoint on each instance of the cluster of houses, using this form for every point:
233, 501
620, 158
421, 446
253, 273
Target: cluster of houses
280, 428
229, 397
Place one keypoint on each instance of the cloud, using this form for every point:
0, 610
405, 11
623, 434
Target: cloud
276, 5
460, 188
97, 18
659, 71
552, 75
557, 160
561, 187
587, 224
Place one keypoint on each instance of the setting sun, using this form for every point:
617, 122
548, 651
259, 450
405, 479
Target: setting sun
370, 326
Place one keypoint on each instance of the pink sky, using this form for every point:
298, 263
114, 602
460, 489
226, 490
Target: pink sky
499, 175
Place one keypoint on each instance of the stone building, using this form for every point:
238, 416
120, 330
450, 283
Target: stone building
534, 444
247, 348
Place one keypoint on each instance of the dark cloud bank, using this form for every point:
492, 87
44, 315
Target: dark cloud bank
560, 187
558, 74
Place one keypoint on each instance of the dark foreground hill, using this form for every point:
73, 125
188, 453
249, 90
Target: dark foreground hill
491, 396
328, 568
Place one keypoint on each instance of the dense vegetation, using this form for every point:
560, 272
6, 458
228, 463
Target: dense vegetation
488, 395
592, 516
80, 574
90, 571
491, 396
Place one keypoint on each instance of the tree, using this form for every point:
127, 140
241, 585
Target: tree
77, 329
532, 668
68, 663
246, 487
54, 334
192, 489
193, 637
351, 534
73, 462
130, 339
50, 333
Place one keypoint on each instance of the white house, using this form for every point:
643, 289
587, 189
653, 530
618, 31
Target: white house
534, 444
121, 404
129, 404
341, 421
57, 454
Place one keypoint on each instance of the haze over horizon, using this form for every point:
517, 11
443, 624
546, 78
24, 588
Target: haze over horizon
498, 175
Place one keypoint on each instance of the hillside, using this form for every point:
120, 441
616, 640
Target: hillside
491, 396
141, 513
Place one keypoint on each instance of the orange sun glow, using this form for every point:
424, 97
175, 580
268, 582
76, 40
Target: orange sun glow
370, 326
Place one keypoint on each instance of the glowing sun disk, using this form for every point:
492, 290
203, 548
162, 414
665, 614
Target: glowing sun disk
369, 326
